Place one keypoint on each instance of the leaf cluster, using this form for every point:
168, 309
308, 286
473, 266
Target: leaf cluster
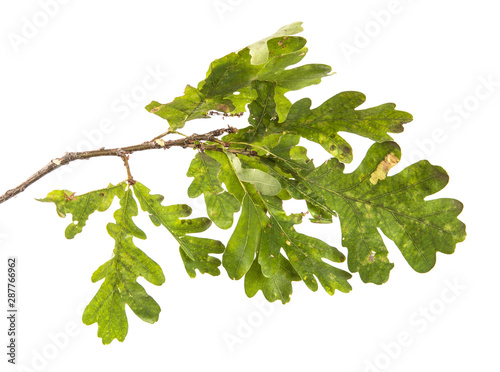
247, 191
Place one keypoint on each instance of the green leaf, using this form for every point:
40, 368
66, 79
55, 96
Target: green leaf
367, 199
318, 214
192, 105
252, 235
259, 50
262, 112
263, 182
256, 168
229, 176
244, 242
287, 80
262, 116
288, 171
120, 273
305, 253
277, 150
277, 287
338, 114
82, 206
203, 262
286, 162
195, 249
221, 205
227, 87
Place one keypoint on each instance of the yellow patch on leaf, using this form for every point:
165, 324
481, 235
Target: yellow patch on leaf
383, 168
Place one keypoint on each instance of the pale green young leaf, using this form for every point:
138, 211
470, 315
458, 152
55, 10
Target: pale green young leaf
263, 182
259, 50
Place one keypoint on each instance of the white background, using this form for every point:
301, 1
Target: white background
74, 72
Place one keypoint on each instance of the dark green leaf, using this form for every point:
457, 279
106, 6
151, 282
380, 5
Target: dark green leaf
367, 199
244, 242
338, 114
227, 87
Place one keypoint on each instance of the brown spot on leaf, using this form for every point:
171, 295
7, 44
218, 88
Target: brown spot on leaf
222, 107
69, 197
